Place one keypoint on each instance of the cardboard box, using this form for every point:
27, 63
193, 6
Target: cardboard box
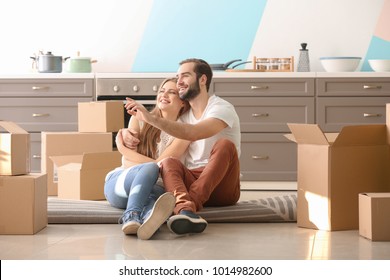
14, 149
334, 168
374, 222
100, 116
83, 176
69, 143
23, 203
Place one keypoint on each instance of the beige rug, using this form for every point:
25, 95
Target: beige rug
272, 208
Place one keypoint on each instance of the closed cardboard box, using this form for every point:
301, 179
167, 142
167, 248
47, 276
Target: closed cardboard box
100, 116
69, 143
334, 168
23, 204
14, 149
374, 222
83, 176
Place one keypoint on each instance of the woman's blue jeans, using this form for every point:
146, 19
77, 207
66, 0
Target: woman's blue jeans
134, 189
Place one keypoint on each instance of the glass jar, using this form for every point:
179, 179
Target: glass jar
274, 64
285, 64
262, 64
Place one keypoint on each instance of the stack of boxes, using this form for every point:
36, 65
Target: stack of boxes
74, 166
76, 163
341, 176
23, 195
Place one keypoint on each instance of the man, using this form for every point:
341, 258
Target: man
210, 175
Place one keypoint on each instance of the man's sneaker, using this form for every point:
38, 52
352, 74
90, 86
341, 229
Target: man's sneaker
186, 222
131, 222
162, 209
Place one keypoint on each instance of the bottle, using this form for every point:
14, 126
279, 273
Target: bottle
303, 63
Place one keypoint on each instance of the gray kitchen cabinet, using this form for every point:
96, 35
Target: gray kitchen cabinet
351, 101
267, 157
35, 151
271, 114
358, 86
265, 106
43, 105
335, 112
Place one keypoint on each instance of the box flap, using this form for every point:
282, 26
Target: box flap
384, 194
331, 137
361, 135
12, 127
101, 160
63, 160
308, 134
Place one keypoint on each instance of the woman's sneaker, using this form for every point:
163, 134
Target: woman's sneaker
131, 222
186, 222
162, 209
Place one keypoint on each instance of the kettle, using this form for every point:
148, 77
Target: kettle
48, 63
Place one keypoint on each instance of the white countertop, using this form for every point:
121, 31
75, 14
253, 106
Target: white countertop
48, 76
224, 74
217, 74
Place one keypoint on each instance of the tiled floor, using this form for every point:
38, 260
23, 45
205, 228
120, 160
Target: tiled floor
282, 241
256, 241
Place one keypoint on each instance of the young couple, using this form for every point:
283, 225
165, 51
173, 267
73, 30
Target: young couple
195, 150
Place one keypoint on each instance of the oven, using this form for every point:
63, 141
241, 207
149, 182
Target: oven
144, 90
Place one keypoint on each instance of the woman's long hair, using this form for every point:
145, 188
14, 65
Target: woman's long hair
150, 135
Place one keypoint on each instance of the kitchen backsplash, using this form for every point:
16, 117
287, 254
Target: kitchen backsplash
154, 35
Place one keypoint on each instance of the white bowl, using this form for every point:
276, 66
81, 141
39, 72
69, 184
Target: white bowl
380, 65
340, 63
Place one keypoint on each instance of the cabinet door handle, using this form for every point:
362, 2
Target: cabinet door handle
258, 87
260, 157
372, 87
367, 115
264, 115
36, 156
39, 88
40, 115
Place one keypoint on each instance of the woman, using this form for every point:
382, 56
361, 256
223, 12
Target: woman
133, 185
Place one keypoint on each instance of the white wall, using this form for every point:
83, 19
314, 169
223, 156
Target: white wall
111, 30
330, 27
106, 30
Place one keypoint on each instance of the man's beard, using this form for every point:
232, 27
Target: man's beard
192, 92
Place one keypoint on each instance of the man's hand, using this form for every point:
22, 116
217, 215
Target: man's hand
130, 138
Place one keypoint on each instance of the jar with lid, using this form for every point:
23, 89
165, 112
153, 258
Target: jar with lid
274, 64
284, 64
262, 64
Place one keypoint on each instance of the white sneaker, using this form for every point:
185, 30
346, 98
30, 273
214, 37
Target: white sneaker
162, 209
131, 222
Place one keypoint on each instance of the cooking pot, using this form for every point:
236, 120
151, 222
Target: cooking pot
225, 66
48, 63
79, 64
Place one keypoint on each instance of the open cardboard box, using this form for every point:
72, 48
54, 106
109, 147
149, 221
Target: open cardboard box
374, 222
82, 176
334, 168
14, 149
69, 143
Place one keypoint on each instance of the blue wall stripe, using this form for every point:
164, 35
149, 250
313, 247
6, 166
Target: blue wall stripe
215, 30
378, 49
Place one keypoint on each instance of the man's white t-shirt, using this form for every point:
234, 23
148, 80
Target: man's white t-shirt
218, 108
